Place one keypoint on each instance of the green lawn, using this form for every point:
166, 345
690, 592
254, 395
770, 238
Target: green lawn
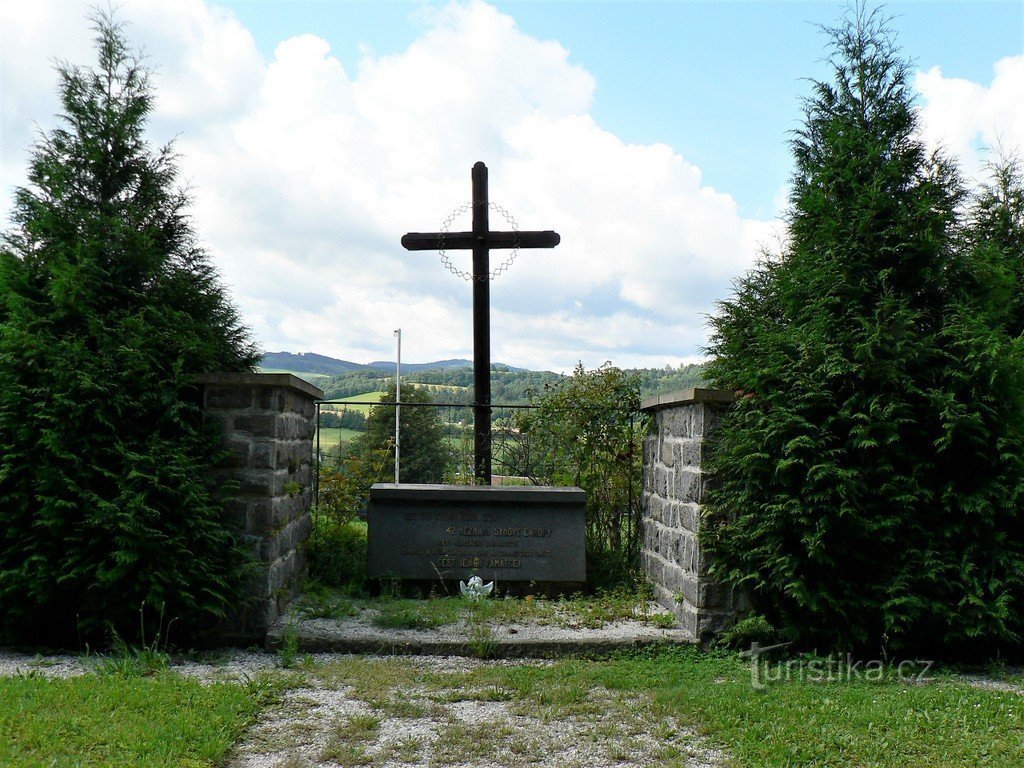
801, 722
166, 720
115, 720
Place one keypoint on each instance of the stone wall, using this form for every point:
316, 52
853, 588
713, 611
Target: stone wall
267, 421
673, 497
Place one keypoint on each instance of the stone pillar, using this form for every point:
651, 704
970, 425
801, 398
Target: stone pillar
673, 497
267, 421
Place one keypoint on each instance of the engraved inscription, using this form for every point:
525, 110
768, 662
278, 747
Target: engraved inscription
505, 539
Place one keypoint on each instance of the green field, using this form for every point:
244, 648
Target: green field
329, 438
375, 397
312, 378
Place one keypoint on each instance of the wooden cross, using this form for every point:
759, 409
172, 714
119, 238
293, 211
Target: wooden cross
480, 240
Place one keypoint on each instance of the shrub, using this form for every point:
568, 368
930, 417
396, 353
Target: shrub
336, 554
868, 482
586, 432
108, 310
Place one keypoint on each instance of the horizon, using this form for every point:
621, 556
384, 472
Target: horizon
653, 136
468, 363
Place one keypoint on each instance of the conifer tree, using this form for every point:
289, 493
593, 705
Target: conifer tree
424, 455
108, 310
867, 483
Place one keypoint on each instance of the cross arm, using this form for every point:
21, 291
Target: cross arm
429, 241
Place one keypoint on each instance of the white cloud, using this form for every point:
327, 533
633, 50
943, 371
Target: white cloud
970, 119
306, 175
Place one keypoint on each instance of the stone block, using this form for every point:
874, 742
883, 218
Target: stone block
650, 450
670, 515
303, 475
712, 595
256, 482
303, 529
711, 416
238, 451
309, 430
656, 569
661, 481
683, 586
228, 398
264, 454
691, 452
668, 454
284, 511
258, 425
270, 548
261, 517
270, 399
291, 453
688, 486
654, 508
664, 598
687, 617
711, 624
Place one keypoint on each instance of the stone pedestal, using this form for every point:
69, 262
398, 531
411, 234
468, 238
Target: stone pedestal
267, 421
509, 534
673, 496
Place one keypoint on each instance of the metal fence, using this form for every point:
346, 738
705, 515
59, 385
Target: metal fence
607, 467
511, 450
518, 457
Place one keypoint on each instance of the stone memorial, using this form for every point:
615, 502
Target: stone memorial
504, 534
518, 534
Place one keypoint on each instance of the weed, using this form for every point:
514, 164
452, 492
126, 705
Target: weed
662, 620
288, 651
142, 660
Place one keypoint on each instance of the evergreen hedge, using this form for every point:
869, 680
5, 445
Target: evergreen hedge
867, 486
108, 309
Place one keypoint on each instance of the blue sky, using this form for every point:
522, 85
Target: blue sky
717, 79
652, 135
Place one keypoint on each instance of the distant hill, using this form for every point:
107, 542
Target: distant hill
386, 365
308, 362
342, 378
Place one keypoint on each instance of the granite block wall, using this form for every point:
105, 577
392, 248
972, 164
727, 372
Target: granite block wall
673, 497
267, 424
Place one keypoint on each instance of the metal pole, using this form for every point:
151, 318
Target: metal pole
481, 328
316, 488
398, 400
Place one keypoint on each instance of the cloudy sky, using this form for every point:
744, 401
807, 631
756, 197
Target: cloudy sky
650, 135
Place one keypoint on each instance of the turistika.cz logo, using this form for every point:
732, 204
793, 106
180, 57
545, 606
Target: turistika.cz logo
830, 669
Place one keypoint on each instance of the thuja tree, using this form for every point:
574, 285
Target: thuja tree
424, 452
867, 482
108, 309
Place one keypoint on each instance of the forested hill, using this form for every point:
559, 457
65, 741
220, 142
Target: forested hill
453, 379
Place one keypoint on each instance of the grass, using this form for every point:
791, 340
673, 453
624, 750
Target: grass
360, 401
330, 436
398, 613
313, 378
637, 707
802, 722
118, 720
655, 701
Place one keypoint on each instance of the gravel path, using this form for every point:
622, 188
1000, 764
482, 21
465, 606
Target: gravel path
391, 712
442, 711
